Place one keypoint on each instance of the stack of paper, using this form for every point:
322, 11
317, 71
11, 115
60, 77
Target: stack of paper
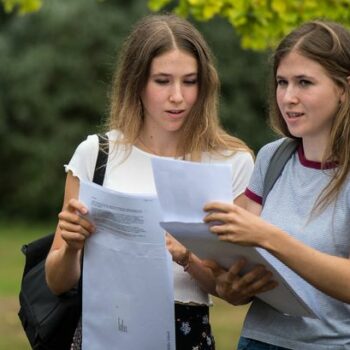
183, 189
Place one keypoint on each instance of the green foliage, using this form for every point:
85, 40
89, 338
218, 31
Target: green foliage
244, 76
260, 23
55, 70
23, 6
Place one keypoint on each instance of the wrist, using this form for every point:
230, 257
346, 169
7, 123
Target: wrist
273, 239
185, 260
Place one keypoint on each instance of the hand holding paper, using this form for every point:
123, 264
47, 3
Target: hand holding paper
127, 274
183, 189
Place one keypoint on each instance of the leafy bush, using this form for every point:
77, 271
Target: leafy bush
55, 70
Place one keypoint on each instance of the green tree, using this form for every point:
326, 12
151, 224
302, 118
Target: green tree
55, 72
260, 23
55, 69
23, 6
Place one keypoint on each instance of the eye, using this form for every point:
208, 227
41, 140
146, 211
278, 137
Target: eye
190, 81
161, 81
305, 82
282, 82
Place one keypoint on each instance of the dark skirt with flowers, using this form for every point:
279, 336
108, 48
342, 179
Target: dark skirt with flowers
193, 330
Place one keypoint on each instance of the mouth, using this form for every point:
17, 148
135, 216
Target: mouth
294, 115
175, 113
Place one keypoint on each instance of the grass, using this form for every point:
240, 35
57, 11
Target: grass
12, 237
226, 320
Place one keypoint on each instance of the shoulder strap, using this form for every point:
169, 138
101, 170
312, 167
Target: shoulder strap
99, 176
277, 163
102, 157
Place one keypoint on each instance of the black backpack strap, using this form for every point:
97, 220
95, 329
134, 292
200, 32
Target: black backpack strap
277, 163
102, 158
99, 176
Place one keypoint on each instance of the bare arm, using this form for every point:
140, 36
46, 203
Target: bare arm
192, 264
328, 273
63, 262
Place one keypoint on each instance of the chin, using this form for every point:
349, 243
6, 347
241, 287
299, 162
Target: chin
296, 133
174, 128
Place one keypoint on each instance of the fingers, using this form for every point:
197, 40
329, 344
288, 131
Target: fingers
71, 220
75, 205
238, 289
252, 281
222, 229
236, 269
75, 228
219, 206
221, 218
68, 227
217, 216
264, 284
215, 268
178, 251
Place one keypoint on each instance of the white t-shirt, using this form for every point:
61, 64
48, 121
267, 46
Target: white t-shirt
132, 173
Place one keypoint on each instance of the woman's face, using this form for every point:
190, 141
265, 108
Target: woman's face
170, 92
307, 97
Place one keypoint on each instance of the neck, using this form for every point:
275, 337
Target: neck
165, 146
314, 150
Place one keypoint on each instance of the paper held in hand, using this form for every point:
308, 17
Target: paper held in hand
127, 274
183, 189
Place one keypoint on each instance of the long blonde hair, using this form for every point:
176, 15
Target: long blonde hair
328, 44
152, 36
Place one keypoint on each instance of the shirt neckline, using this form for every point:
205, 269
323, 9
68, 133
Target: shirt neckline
311, 163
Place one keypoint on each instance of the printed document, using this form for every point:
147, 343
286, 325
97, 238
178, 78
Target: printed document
128, 300
183, 189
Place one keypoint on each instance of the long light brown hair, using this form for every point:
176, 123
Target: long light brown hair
328, 44
152, 36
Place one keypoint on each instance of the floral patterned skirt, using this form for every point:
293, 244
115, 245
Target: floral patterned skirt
193, 331
192, 325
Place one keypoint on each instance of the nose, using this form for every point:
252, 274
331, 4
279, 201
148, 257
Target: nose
176, 95
290, 94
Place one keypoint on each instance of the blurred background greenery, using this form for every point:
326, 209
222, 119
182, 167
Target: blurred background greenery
55, 71
56, 67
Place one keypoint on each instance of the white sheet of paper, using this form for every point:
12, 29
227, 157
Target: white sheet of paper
180, 187
127, 274
182, 203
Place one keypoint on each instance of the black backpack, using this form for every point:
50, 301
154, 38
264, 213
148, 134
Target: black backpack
48, 320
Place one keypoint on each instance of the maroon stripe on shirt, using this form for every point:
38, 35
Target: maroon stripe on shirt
254, 197
311, 163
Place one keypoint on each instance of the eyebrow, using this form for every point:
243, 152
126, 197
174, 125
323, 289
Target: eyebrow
169, 75
301, 76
